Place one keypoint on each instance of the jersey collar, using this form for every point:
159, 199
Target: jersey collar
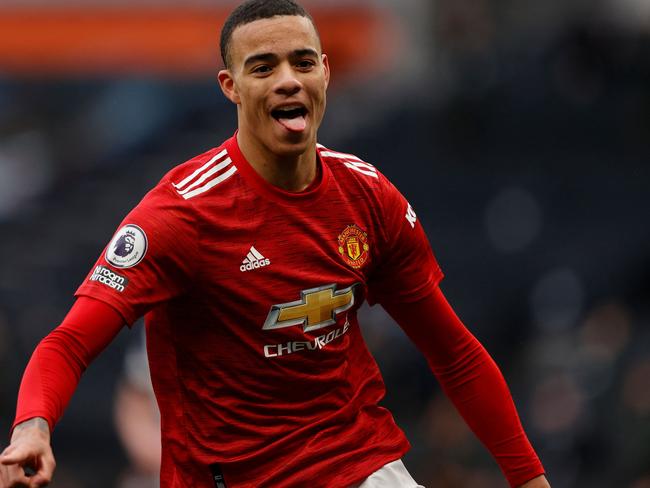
272, 192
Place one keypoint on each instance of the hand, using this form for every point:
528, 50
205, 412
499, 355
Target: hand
539, 482
28, 462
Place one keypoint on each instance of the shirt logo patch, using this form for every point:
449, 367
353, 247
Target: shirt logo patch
106, 277
317, 308
253, 260
353, 246
128, 247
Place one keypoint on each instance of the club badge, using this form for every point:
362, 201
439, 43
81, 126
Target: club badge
353, 246
128, 247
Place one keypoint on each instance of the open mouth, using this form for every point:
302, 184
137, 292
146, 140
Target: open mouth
292, 118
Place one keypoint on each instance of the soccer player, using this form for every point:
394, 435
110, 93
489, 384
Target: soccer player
249, 263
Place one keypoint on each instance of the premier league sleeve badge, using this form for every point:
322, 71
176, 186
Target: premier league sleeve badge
128, 247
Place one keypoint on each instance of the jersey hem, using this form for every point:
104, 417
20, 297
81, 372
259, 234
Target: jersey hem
32, 415
520, 479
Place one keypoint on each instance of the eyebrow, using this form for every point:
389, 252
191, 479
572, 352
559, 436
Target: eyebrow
259, 57
298, 53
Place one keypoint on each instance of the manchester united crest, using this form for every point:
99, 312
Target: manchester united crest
353, 246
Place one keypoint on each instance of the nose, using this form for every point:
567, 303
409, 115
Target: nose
287, 80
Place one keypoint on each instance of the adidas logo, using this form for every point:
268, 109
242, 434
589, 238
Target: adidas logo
253, 260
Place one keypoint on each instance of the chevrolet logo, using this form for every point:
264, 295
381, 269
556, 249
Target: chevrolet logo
317, 308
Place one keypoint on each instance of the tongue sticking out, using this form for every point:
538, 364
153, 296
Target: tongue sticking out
295, 124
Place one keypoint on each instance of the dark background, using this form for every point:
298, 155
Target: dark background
520, 134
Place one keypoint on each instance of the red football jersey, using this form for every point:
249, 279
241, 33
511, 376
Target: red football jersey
250, 295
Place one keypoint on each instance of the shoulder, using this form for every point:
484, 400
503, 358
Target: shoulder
352, 171
198, 176
348, 165
179, 197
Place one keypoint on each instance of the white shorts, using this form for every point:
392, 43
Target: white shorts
391, 475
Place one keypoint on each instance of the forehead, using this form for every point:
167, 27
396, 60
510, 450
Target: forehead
278, 35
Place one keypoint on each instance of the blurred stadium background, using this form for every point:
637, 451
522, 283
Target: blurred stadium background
519, 130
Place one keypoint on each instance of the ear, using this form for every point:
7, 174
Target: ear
228, 86
326, 68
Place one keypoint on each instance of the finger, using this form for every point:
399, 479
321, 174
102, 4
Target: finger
15, 455
38, 481
48, 465
44, 475
16, 477
22, 454
8, 450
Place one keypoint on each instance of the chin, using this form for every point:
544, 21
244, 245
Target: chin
291, 148
291, 151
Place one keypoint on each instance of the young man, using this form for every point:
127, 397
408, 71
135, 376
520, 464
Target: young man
250, 262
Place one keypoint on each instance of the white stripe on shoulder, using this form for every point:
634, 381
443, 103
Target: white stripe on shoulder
213, 160
334, 154
351, 161
361, 165
211, 184
368, 172
206, 175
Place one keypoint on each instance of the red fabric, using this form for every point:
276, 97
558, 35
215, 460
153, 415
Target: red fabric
55, 367
472, 381
275, 406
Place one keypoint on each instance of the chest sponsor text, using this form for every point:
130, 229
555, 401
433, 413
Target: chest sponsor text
320, 342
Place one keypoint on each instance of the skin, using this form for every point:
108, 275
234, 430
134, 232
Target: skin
29, 447
275, 62
272, 62
539, 482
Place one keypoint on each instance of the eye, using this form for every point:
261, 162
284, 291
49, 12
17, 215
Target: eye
305, 64
261, 69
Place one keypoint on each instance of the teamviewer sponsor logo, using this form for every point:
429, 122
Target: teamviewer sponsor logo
106, 277
254, 260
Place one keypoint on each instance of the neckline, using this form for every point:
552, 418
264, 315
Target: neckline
272, 192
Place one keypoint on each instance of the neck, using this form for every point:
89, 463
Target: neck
291, 172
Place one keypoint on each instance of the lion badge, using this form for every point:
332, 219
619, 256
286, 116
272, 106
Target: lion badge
128, 247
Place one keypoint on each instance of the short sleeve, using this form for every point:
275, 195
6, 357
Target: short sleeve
405, 268
149, 260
